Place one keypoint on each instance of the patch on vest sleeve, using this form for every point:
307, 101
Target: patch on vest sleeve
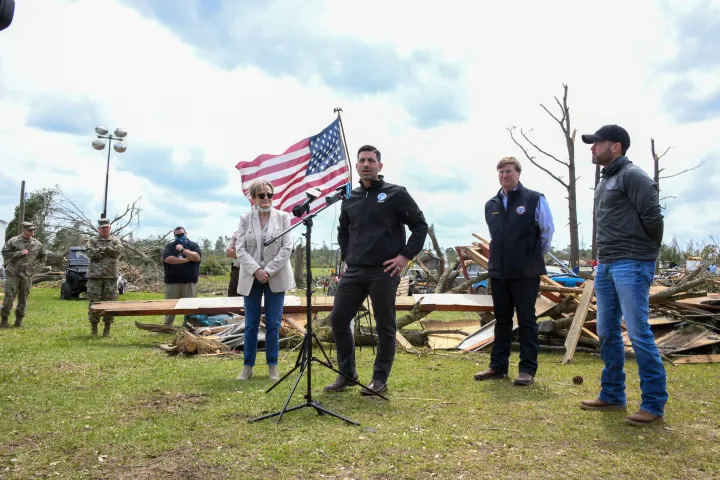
521, 210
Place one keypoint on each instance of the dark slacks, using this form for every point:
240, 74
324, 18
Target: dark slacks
510, 296
232, 288
355, 285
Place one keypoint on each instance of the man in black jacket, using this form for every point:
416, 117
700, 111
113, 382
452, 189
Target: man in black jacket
629, 235
521, 230
371, 235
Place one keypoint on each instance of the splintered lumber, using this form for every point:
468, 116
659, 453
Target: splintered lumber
697, 359
152, 327
439, 302
553, 288
215, 305
687, 338
403, 342
578, 321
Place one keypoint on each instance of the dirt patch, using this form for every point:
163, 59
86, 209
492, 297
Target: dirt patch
72, 367
162, 402
173, 402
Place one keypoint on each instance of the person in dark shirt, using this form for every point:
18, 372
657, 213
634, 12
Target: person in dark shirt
371, 235
629, 235
181, 262
521, 230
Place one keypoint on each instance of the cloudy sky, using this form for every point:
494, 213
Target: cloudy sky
202, 84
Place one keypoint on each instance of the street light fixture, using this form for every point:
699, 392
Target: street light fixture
119, 146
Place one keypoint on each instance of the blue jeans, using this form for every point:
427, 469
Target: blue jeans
273, 317
622, 288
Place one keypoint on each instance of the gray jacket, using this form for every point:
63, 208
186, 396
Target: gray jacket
629, 219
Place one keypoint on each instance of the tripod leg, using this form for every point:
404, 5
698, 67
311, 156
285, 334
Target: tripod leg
292, 391
327, 359
275, 414
301, 358
321, 410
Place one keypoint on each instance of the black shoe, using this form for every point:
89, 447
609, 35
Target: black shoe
376, 386
489, 374
341, 383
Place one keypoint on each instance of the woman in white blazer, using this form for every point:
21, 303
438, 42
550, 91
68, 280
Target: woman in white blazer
264, 271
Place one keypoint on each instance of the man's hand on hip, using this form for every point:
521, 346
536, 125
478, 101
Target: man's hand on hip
396, 265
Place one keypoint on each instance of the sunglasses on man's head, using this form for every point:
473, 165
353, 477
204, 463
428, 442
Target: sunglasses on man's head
261, 196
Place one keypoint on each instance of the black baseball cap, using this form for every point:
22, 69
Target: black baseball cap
614, 133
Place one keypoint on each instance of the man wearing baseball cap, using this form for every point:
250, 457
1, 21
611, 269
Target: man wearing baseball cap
24, 256
629, 235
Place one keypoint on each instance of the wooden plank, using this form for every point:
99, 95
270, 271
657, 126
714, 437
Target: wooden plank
590, 334
402, 341
697, 359
578, 320
482, 337
450, 325
553, 288
445, 341
440, 302
293, 305
477, 257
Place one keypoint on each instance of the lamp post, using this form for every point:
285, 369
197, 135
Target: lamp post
119, 146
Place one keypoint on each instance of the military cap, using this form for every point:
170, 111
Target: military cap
103, 222
28, 225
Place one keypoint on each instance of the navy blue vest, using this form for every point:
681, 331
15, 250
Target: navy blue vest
515, 250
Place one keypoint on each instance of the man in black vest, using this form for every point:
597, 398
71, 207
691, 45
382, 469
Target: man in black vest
521, 230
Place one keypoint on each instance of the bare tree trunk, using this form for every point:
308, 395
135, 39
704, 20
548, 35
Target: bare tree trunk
656, 165
570, 184
299, 270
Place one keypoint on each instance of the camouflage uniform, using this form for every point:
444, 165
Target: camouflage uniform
104, 255
19, 270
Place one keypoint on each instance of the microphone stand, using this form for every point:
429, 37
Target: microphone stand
305, 357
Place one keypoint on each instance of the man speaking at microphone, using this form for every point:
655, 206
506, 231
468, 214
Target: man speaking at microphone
371, 235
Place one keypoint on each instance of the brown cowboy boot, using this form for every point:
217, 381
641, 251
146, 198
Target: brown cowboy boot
18, 320
4, 322
106, 330
93, 330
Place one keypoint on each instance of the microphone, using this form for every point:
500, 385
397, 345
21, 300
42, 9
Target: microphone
312, 194
343, 191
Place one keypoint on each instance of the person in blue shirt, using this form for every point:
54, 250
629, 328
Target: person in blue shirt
521, 230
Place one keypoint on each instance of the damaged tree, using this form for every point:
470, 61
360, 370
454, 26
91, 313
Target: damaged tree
570, 184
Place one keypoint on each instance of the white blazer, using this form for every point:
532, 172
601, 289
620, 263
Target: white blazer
276, 255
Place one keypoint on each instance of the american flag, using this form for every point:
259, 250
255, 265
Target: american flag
315, 162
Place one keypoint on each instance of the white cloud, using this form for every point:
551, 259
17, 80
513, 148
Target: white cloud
510, 57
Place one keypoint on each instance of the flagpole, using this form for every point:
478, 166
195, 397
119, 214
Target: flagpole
339, 110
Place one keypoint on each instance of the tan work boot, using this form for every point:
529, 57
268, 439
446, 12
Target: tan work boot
4, 322
599, 405
273, 372
641, 418
246, 374
18, 321
106, 330
93, 330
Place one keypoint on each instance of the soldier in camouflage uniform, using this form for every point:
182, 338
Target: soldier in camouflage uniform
23, 257
104, 253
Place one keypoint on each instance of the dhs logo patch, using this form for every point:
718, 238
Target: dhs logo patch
381, 197
521, 210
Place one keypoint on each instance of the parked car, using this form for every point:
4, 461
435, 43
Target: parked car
557, 274
473, 271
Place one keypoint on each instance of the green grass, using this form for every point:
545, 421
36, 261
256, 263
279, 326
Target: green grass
72, 406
